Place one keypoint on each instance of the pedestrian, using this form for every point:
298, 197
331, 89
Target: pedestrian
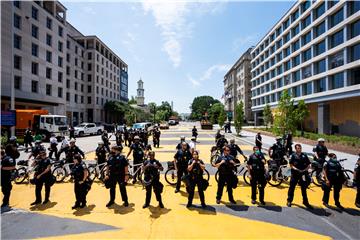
81, 184
258, 141
7, 166
138, 156
53, 146
226, 164
42, 177
334, 178
194, 133
151, 169
71, 132
196, 168
101, 152
106, 141
28, 139
192, 145
299, 164
117, 172
256, 168
181, 159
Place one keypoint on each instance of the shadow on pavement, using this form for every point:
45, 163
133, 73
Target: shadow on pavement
156, 212
352, 211
43, 207
6, 209
120, 209
84, 211
238, 207
271, 207
209, 210
316, 211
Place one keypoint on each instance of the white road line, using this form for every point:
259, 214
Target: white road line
336, 228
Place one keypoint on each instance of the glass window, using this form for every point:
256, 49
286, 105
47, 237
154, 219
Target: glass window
320, 85
17, 62
320, 66
296, 60
307, 55
34, 86
336, 18
296, 91
17, 82
60, 95
60, 46
296, 45
296, 76
48, 39
68, 96
319, 29
355, 29
17, 21
306, 22
17, 4
34, 13
48, 73
332, 3
353, 7
295, 30
17, 41
48, 56
279, 83
336, 39
319, 48
355, 52
34, 50
34, 31
306, 38
60, 61
320, 10
307, 89
286, 23
295, 15
354, 76
286, 37
287, 66
60, 31
286, 51
60, 76
305, 5
306, 72
336, 60
34, 68
49, 23
336, 81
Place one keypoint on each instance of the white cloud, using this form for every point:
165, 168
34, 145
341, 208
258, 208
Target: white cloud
128, 41
209, 73
89, 10
243, 41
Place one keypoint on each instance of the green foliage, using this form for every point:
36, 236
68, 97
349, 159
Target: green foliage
132, 100
165, 107
4, 141
152, 107
284, 119
126, 113
200, 105
217, 114
239, 117
301, 112
268, 117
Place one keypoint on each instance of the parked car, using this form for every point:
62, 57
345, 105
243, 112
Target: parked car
172, 122
88, 129
164, 125
143, 125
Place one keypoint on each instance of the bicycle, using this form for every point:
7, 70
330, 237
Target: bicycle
278, 174
133, 173
97, 171
215, 154
171, 174
318, 179
23, 171
62, 170
239, 171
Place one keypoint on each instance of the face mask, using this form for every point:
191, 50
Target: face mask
257, 152
334, 159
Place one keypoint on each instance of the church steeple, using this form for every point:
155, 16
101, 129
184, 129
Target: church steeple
140, 99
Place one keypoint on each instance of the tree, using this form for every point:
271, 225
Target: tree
285, 119
166, 108
152, 107
132, 100
200, 105
217, 114
239, 117
268, 117
301, 112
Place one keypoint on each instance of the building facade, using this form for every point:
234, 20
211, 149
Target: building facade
237, 86
313, 52
140, 97
53, 66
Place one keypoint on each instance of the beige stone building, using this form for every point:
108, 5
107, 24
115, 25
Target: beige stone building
54, 66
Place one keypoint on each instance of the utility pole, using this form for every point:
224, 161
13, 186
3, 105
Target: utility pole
12, 84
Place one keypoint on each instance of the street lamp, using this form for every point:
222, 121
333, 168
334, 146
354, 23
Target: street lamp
154, 112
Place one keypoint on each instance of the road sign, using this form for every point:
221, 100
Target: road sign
8, 118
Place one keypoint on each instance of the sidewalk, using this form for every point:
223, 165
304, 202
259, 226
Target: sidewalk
268, 141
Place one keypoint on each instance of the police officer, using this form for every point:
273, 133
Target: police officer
28, 139
53, 146
117, 172
217, 136
256, 168
320, 151
194, 132
258, 141
119, 139
277, 153
101, 152
71, 132
138, 155
182, 139
105, 139
357, 181
181, 159
126, 136
334, 178
196, 168
80, 173
71, 151
226, 164
299, 164
42, 177
151, 168
220, 144
288, 143
11, 149
7, 166
156, 137
36, 149
234, 150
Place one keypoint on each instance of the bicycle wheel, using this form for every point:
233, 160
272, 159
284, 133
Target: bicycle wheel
274, 181
102, 174
217, 176
246, 176
59, 174
20, 175
206, 175
316, 179
349, 175
171, 176
213, 159
92, 173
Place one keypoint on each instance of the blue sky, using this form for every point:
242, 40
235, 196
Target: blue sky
180, 49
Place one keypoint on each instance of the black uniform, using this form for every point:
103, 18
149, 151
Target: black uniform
357, 182
28, 139
179, 146
194, 133
182, 159
119, 139
301, 162
196, 179
138, 156
226, 172
151, 172
105, 139
70, 152
101, 154
80, 190
288, 145
117, 165
36, 150
72, 132
258, 141
53, 148
336, 179
257, 175
42, 165
12, 151
234, 149
221, 143
278, 153
322, 152
156, 138
6, 186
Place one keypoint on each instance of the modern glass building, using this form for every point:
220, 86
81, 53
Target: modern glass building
313, 52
